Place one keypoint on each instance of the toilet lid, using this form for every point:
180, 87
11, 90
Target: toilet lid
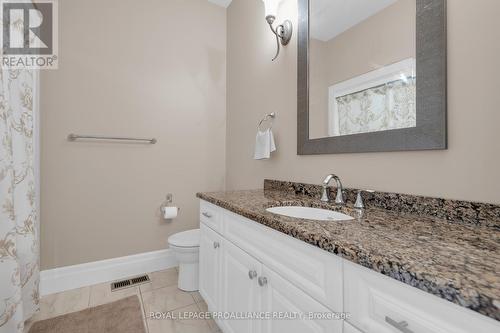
190, 238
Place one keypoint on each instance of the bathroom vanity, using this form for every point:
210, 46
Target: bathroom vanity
383, 271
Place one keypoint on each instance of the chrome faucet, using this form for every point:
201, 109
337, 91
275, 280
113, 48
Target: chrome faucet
339, 199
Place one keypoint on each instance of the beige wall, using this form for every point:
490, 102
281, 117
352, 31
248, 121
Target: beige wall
132, 68
467, 170
387, 37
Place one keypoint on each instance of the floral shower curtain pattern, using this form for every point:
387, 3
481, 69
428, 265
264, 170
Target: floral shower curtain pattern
385, 107
19, 233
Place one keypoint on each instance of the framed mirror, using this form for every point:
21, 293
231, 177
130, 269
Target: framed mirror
371, 76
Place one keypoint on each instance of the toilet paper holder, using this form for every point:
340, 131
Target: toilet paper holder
167, 203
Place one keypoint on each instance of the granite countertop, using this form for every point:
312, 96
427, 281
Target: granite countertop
457, 262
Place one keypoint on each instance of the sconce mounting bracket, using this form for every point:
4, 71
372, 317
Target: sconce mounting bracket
285, 32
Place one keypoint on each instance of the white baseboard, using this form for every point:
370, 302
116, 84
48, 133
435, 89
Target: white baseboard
77, 276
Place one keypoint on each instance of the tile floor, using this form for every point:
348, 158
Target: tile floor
160, 295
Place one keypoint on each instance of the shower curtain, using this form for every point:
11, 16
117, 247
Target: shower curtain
19, 231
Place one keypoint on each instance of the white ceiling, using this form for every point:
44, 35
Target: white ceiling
329, 18
222, 3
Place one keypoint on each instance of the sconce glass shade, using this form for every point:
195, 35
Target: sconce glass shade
271, 7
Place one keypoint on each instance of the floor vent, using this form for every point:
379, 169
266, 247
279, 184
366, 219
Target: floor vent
127, 283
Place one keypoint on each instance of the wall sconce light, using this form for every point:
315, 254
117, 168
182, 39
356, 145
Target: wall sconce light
283, 32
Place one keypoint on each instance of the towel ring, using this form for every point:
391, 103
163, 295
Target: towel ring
268, 116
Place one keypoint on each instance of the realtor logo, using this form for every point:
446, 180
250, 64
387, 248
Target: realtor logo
29, 34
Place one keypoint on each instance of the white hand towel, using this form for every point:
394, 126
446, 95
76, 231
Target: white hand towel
264, 144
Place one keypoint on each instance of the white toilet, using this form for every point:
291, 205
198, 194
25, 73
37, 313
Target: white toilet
186, 246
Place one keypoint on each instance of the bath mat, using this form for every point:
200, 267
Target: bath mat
123, 316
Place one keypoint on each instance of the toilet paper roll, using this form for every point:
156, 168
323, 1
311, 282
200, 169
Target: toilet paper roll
170, 212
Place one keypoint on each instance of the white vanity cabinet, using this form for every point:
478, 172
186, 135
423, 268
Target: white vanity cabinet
240, 292
210, 266
281, 296
255, 269
379, 304
348, 328
246, 267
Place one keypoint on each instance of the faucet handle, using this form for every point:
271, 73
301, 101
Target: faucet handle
359, 204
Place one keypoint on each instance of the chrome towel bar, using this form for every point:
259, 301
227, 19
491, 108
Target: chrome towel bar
73, 137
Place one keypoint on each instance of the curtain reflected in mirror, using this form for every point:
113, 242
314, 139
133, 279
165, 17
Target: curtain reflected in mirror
362, 75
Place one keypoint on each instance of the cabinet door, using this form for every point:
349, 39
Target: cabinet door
315, 271
211, 245
281, 297
240, 290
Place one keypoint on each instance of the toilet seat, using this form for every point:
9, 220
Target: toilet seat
189, 238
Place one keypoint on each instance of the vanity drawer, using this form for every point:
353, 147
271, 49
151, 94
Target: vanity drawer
379, 304
316, 272
211, 215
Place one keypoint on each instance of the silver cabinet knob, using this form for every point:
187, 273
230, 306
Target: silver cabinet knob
252, 274
206, 214
401, 326
216, 245
262, 281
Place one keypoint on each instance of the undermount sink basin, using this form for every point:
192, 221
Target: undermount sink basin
309, 213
